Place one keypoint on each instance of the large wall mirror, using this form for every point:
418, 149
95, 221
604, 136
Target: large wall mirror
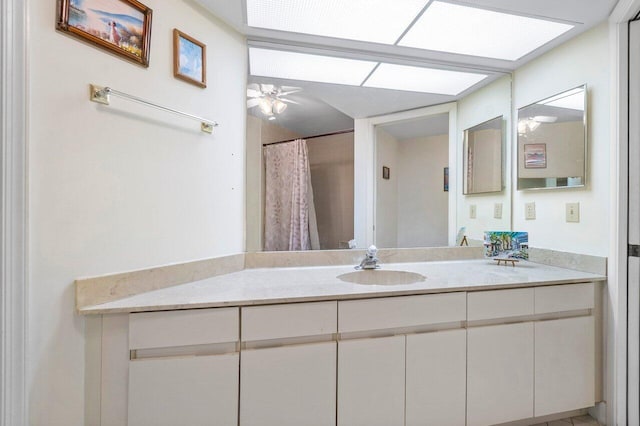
344, 170
552, 141
482, 164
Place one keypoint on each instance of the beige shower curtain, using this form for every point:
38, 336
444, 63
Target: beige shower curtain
290, 218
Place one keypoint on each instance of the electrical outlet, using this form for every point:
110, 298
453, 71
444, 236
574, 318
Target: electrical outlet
497, 210
530, 211
573, 212
472, 211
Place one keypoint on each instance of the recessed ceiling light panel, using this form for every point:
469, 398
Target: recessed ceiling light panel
302, 66
467, 30
378, 21
418, 79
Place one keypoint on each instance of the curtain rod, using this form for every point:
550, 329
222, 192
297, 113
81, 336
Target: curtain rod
311, 137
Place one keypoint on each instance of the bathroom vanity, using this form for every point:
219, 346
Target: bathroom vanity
473, 343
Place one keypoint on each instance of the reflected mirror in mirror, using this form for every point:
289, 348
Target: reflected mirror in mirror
412, 203
552, 142
482, 158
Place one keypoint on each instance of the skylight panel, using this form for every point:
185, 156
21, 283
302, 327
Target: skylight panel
378, 21
467, 30
418, 79
302, 66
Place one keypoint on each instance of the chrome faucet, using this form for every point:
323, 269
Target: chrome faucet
370, 260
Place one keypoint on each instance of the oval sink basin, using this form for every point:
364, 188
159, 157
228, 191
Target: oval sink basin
381, 277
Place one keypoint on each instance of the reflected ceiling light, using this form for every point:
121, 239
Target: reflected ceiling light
448, 27
545, 119
303, 66
418, 79
378, 21
573, 99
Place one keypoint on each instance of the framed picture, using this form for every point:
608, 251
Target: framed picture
535, 156
446, 179
189, 59
385, 172
122, 27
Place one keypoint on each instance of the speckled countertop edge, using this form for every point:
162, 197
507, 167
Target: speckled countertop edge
320, 283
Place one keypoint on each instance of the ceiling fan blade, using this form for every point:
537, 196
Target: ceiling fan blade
253, 86
267, 88
291, 89
253, 102
253, 93
290, 92
289, 101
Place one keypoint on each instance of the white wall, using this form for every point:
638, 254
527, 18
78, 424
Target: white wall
386, 190
489, 102
122, 187
584, 59
423, 205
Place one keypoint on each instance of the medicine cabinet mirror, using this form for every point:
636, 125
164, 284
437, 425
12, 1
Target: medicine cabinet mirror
483, 169
552, 141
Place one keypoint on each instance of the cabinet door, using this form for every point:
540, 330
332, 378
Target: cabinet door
289, 385
499, 373
194, 391
565, 365
436, 378
371, 382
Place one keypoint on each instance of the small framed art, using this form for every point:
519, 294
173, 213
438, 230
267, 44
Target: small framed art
385, 172
189, 59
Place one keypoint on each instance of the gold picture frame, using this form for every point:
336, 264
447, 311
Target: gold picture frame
122, 27
189, 59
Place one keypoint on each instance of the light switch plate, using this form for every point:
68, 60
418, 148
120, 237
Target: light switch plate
530, 211
573, 212
472, 211
497, 210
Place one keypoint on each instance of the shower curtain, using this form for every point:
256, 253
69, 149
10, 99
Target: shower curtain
290, 218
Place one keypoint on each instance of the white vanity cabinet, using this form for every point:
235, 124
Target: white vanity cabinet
183, 368
387, 352
531, 352
288, 368
565, 350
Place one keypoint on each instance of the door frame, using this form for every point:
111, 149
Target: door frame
617, 315
365, 161
13, 227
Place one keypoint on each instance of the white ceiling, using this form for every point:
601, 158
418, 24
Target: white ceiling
359, 102
433, 125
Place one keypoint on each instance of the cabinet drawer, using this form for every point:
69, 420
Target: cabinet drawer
183, 328
397, 312
286, 321
500, 304
566, 297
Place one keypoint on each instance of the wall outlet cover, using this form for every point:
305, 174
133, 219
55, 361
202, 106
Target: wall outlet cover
497, 211
530, 211
472, 211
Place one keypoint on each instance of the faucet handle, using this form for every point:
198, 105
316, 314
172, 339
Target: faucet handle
372, 251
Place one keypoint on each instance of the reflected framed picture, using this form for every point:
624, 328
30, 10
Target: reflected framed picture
446, 179
189, 59
535, 156
122, 27
385, 172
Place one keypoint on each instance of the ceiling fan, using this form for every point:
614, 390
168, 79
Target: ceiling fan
270, 98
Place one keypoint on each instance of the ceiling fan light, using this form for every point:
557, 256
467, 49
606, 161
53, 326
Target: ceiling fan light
265, 106
279, 106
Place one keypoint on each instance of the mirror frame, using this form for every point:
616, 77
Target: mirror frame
585, 144
465, 157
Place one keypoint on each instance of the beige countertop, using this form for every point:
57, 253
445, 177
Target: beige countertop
304, 284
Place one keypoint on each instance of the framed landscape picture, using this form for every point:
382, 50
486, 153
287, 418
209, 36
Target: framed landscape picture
535, 156
122, 27
189, 59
